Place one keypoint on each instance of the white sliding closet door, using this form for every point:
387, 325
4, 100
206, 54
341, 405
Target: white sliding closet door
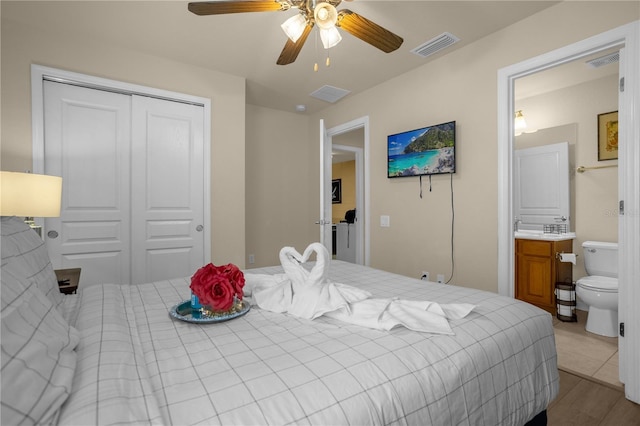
168, 188
87, 142
132, 169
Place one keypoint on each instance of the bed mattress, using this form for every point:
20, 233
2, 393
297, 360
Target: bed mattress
137, 365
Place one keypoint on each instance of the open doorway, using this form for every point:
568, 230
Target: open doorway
627, 38
346, 179
351, 138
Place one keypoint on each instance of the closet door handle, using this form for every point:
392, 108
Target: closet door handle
52, 234
199, 228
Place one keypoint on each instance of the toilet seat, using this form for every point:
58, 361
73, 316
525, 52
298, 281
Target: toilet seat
598, 283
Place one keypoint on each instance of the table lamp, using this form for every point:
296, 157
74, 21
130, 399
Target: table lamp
30, 195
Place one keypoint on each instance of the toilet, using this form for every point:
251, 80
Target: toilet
599, 289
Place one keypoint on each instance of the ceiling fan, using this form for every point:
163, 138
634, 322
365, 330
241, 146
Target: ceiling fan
322, 14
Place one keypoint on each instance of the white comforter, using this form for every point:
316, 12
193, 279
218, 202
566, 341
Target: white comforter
136, 365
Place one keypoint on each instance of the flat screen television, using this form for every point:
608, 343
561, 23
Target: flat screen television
426, 151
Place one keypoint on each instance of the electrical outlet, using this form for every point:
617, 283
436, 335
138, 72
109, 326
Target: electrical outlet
424, 276
440, 278
252, 259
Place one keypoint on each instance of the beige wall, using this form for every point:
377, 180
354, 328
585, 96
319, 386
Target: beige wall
282, 162
346, 171
23, 46
461, 86
596, 191
282, 185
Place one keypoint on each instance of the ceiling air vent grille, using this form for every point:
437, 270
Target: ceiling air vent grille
435, 45
612, 58
330, 94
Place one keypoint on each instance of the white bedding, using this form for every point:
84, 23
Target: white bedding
137, 365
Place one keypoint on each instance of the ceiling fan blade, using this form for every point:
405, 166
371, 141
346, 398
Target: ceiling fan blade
222, 7
368, 31
291, 49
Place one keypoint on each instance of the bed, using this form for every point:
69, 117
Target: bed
111, 354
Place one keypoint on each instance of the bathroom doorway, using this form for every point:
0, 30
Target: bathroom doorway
627, 38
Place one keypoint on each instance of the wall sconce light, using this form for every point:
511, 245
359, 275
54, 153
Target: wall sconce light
519, 123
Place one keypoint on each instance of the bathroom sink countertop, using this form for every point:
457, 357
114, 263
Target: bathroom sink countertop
539, 235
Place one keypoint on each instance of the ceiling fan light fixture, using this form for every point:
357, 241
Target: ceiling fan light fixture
325, 15
330, 37
294, 27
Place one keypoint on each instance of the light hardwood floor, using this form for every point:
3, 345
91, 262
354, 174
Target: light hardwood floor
590, 392
584, 402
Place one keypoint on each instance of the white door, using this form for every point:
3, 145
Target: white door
87, 141
326, 227
541, 186
167, 187
122, 218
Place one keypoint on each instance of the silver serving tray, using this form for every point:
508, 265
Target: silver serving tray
182, 312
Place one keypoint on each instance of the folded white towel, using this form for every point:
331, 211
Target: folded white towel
270, 292
309, 294
313, 293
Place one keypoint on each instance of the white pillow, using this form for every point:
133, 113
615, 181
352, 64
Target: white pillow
25, 255
38, 356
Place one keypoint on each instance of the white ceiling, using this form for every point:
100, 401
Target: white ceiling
248, 44
565, 75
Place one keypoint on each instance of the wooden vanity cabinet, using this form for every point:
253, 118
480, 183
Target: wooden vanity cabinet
537, 270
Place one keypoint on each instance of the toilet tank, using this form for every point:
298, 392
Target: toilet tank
601, 258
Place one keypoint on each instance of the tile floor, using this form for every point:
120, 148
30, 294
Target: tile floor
586, 354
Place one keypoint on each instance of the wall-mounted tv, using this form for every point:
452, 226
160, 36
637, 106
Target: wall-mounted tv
426, 151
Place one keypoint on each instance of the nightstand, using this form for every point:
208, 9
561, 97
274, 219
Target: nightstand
68, 280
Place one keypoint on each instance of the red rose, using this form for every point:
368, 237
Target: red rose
216, 286
235, 276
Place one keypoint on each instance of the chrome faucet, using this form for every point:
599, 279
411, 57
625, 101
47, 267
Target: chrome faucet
516, 221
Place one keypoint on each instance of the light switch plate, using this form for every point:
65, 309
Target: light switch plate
385, 221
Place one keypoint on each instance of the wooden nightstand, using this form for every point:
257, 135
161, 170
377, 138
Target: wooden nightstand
68, 280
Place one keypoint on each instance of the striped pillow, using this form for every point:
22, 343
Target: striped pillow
38, 354
25, 255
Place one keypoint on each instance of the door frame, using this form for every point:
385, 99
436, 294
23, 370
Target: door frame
627, 36
363, 226
40, 73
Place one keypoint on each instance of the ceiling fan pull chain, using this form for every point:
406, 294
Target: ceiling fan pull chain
315, 47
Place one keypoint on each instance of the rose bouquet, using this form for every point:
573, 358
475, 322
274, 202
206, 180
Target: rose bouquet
216, 290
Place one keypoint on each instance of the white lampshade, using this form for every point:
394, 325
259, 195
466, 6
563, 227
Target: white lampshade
294, 27
330, 37
30, 195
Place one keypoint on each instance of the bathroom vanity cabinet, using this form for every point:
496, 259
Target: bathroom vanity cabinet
537, 270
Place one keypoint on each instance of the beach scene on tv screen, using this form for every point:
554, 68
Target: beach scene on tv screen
425, 151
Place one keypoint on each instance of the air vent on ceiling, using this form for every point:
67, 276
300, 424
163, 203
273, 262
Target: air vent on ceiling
435, 45
330, 93
611, 58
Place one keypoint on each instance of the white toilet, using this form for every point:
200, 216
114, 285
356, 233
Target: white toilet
599, 290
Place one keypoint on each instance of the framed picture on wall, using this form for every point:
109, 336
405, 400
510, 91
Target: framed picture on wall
336, 191
608, 136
